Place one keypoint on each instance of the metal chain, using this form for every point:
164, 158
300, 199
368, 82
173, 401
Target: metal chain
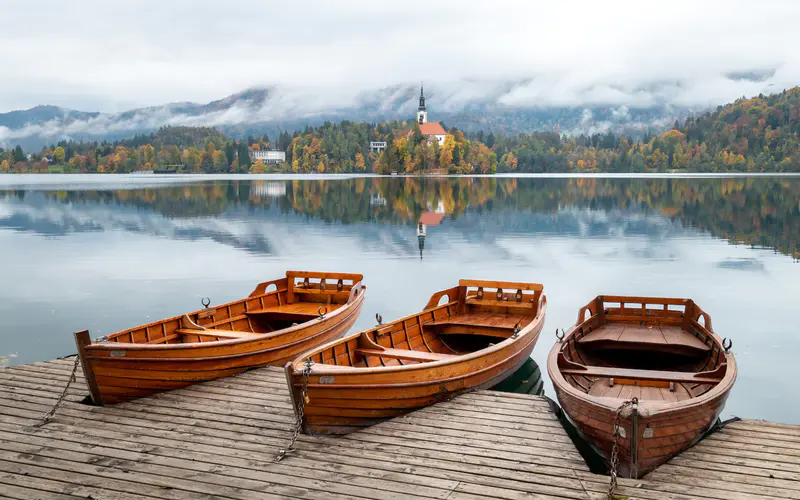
50, 414
614, 465
298, 424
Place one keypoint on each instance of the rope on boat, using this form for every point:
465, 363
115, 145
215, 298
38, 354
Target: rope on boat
298, 423
52, 413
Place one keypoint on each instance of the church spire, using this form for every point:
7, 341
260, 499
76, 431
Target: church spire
422, 115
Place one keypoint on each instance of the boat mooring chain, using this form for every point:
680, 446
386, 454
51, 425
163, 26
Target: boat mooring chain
298, 423
52, 413
614, 465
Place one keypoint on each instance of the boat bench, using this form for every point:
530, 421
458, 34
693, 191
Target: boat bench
625, 336
629, 373
475, 324
404, 354
228, 334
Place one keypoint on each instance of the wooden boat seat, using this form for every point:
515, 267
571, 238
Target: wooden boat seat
228, 334
309, 309
404, 354
624, 336
661, 376
492, 325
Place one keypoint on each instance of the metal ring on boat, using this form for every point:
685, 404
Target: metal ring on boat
379, 318
727, 344
322, 311
206, 302
560, 337
499, 294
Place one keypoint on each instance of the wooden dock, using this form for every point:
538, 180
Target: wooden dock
219, 440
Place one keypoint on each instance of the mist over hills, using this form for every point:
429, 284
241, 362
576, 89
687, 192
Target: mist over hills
498, 107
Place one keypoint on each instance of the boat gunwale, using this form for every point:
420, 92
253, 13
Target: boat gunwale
647, 408
336, 370
132, 346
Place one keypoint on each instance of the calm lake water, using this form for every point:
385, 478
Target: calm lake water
110, 252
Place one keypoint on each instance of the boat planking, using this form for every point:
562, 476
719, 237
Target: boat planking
471, 336
654, 361
279, 320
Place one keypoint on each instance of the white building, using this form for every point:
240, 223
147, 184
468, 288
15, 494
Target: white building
377, 146
268, 156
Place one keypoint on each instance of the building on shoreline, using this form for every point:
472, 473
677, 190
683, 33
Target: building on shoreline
268, 156
377, 146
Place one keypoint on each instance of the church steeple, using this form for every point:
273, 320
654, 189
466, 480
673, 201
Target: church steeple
422, 114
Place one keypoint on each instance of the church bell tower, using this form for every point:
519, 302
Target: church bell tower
422, 115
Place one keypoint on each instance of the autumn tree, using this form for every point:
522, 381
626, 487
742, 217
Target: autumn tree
360, 165
59, 154
510, 161
446, 153
258, 167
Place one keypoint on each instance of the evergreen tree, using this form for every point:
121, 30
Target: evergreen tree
230, 150
19, 155
244, 155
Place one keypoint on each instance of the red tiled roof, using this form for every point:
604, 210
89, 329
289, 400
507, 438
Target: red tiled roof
431, 128
431, 218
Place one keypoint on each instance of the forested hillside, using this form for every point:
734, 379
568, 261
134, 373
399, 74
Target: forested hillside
761, 134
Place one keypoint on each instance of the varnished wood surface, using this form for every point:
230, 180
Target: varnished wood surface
654, 335
468, 337
661, 351
217, 440
277, 321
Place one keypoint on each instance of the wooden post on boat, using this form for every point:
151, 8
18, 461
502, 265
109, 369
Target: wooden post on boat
82, 339
287, 370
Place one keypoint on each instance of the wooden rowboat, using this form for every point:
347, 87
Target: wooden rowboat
271, 326
467, 337
655, 361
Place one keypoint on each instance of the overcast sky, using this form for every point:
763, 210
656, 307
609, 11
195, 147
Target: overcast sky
112, 56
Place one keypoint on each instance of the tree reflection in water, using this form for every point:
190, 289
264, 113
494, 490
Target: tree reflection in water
757, 211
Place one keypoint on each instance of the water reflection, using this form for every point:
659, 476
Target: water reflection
760, 212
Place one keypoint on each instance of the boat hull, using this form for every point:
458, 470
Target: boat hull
671, 431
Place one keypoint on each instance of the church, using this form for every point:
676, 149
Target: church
430, 130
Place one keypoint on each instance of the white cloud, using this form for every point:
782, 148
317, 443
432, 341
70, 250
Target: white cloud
112, 56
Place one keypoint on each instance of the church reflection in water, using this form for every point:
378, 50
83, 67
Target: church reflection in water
426, 220
756, 211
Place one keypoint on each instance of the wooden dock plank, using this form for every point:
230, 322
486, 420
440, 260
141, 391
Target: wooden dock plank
219, 439
745, 459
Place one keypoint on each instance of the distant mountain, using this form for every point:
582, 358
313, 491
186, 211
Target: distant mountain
269, 110
39, 114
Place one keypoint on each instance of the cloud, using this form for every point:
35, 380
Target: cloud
112, 56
